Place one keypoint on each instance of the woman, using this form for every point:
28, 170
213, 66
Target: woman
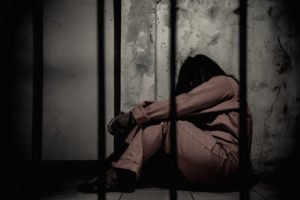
207, 134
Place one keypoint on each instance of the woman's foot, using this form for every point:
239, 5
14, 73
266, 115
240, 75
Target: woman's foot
117, 180
89, 186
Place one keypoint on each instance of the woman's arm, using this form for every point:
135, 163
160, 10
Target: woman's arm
218, 89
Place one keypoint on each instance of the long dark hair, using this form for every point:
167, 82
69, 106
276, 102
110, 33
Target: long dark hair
195, 71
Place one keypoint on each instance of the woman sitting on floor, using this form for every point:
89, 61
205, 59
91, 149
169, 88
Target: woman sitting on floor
207, 130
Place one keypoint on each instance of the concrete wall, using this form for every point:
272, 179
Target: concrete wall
138, 61
208, 27
70, 80
273, 82
211, 28
70, 84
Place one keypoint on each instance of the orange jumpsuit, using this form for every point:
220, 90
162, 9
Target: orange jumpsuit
206, 154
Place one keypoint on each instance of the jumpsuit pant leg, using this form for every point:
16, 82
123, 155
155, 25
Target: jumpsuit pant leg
143, 142
200, 158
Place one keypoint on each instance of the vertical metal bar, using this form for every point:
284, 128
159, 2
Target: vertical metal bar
117, 61
117, 55
243, 153
173, 192
37, 110
101, 100
37, 107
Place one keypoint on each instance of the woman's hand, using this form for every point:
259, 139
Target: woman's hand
121, 124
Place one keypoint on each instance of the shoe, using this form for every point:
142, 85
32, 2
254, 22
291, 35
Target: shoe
117, 180
89, 186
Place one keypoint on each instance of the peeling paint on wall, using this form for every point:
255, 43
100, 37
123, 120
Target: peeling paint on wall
137, 52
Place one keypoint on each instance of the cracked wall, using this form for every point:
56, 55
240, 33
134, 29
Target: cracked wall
211, 27
204, 26
273, 91
137, 71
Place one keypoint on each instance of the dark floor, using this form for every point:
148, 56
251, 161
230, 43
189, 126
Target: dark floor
261, 191
59, 181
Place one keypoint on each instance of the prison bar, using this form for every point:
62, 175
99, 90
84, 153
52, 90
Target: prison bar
117, 57
101, 100
38, 86
37, 110
37, 107
244, 154
173, 192
117, 6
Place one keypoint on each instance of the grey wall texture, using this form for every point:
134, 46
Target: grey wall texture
70, 80
212, 28
209, 27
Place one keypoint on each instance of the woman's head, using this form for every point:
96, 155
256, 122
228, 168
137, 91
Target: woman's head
195, 71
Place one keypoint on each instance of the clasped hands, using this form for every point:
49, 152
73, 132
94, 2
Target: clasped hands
121, 124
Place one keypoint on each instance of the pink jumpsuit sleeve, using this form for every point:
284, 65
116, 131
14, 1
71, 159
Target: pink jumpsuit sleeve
218, 89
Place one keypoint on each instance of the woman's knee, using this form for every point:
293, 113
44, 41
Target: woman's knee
152, 137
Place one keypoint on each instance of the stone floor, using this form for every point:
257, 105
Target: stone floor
261, 191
